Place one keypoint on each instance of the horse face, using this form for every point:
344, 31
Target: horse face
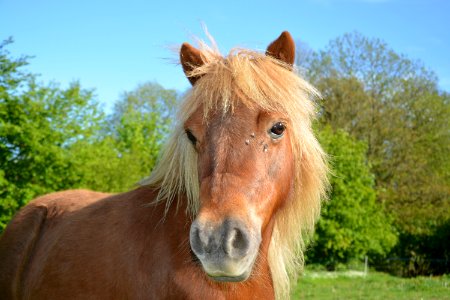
246, 172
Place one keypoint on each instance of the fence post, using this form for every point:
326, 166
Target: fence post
365, 265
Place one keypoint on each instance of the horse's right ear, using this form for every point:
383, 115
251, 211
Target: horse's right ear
190, 59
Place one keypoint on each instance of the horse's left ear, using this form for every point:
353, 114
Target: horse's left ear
190, 59
283, 48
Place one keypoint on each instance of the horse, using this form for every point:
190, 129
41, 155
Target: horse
223, 215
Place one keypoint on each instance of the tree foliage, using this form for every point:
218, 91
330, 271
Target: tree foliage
393, 104
38, 124
55, 139
127, 146
353, 224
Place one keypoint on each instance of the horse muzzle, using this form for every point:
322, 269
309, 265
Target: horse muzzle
227, 251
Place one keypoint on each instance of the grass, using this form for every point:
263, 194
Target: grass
350, 286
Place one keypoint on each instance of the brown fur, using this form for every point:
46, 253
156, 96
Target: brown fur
283, 48
262, 82
17, 247
135, 245
95, 246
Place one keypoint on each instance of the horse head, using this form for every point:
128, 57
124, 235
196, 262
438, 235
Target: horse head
245, 165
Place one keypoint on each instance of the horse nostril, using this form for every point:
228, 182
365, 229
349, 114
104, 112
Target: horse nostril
195, 240
237, 243
204, 239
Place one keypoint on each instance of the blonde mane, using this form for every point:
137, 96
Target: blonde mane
259, 81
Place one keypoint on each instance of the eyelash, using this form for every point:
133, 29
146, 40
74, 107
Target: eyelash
191, 137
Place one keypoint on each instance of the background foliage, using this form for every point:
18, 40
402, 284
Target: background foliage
393, 105
382, 119
54, 139
352, 223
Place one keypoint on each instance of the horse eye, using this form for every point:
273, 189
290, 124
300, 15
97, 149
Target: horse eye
277, 130
191, 137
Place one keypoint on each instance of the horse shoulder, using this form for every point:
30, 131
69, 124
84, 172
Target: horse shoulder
16, 247
20, 237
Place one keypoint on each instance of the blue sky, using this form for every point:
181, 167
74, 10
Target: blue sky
113, 46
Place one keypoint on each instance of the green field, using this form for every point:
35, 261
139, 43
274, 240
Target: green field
349, 286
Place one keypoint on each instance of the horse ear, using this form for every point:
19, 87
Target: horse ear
190, 59
283, 48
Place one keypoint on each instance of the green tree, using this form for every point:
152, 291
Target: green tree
352, 224
392, 103
38, 124
55, 139
126, 148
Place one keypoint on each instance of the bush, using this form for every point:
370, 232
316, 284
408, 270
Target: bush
353, 224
